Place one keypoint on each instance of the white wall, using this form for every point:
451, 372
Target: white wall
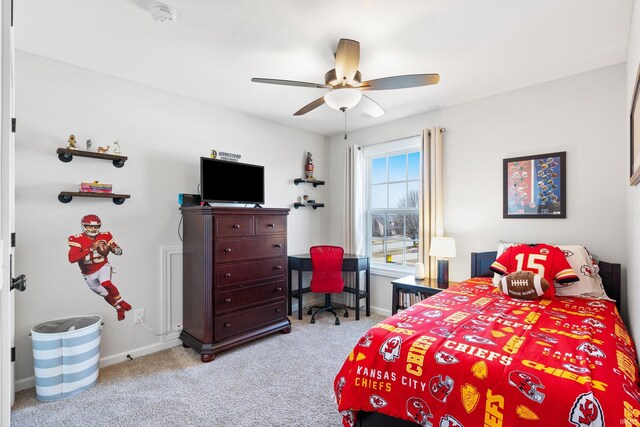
633, 199
583, 115
163, 135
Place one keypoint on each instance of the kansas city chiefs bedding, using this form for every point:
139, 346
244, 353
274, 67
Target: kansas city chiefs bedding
472, 356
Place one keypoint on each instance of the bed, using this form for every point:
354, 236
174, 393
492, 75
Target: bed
471, 356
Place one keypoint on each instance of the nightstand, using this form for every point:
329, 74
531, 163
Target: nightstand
408, 290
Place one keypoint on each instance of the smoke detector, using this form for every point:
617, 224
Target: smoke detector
162, 13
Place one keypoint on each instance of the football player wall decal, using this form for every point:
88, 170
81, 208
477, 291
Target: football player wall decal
90, 250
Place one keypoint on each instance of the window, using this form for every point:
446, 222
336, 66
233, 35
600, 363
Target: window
393, 196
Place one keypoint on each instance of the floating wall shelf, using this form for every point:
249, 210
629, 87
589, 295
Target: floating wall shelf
66, 155
315, 182
314, 205
67, 196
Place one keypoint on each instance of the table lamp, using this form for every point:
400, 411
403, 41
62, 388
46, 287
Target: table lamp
443, 248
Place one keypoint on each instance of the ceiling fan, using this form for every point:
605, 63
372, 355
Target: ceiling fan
346, 86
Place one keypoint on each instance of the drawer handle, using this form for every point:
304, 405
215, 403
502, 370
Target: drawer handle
278, 267
227, 249
227, 275
277, 245
278, 289
271, 225
236, 225
227, 300
227, 325
278, 310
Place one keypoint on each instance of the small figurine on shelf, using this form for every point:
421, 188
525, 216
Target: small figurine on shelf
305, 199
308, 168
103, 150
89, 143
72, 142
116, 147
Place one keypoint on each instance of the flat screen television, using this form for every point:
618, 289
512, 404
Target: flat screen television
222, 181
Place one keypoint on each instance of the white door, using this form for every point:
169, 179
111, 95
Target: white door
7, 223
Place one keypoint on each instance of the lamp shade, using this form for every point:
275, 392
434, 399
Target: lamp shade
343, 98
443, 247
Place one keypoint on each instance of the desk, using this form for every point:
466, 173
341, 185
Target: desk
350, 262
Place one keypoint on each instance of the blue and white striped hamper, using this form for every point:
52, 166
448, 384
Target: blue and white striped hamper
66, 356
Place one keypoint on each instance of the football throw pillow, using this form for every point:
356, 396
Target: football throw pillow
524, 285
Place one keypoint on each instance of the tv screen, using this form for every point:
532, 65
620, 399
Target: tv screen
231, 182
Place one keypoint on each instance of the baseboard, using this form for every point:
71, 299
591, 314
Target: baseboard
382, 311
30, 382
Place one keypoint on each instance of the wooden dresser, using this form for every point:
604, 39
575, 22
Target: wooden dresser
234, 276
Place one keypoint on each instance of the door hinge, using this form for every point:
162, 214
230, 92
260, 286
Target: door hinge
13, 354
13, 240
13, 125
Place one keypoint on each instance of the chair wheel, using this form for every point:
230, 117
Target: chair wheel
346, 314
337, 321
313, 321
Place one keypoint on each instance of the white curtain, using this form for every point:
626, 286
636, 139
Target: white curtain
431, 200
354, 210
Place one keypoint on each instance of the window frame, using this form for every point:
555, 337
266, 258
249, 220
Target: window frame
389, 149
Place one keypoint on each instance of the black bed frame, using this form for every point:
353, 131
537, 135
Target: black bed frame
480, 262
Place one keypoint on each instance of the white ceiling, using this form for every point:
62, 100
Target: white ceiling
479, 48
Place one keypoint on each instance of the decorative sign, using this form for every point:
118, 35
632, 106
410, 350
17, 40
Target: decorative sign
232, 157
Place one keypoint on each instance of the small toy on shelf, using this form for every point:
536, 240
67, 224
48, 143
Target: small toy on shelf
89, 144
308, 167
116, 147
96, 187
72, 142
103, 150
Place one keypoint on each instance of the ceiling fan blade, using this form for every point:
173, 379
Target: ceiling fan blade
400, 82
290, 83
310, 106
347, 60
371, 107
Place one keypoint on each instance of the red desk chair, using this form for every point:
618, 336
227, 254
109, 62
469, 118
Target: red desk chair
326, 277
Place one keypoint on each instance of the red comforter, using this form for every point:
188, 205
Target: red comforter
471, 356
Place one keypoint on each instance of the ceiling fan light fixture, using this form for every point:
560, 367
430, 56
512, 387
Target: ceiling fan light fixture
331, 79
343, 98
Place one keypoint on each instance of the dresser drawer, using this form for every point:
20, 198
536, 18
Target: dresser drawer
234, 226
236, 323
249, 248
245, 296
246, 272
271, 224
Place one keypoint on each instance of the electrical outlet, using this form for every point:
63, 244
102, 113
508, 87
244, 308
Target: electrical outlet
138, 315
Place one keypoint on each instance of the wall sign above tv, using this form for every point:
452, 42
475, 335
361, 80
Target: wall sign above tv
232, 157
223, 181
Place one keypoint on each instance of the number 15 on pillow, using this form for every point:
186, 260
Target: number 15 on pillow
544, 260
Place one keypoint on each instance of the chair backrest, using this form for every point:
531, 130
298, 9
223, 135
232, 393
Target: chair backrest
326, 262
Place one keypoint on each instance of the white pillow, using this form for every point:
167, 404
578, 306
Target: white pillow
590, 283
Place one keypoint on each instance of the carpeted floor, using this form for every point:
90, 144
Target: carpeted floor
280, 380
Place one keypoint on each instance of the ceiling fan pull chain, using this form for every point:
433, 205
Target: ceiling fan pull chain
345, 123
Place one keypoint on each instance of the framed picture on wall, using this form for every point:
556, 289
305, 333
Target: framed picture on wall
634, 173
535, 186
